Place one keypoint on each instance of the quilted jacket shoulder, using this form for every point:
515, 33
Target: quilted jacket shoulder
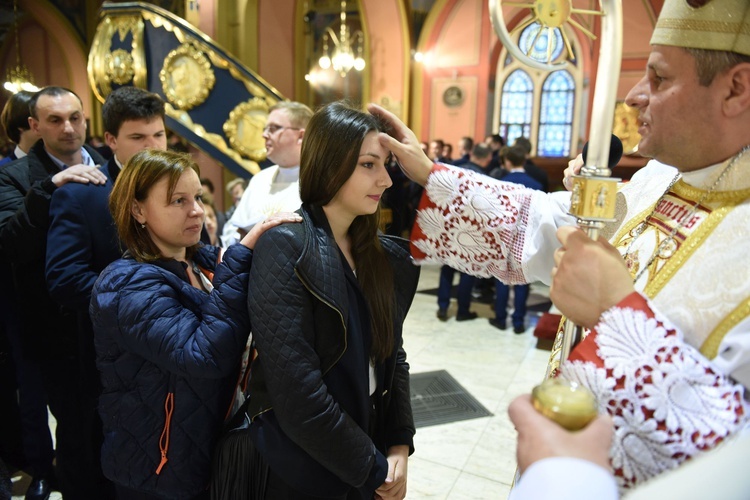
155, 334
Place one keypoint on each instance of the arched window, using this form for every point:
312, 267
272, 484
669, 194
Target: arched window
556, 116
544, 107
517, 105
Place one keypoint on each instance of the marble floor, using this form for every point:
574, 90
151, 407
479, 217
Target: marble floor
470, 459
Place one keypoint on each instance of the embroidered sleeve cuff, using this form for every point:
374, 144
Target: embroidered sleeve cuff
424, 202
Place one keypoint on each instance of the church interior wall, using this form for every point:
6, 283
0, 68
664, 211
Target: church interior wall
457, 39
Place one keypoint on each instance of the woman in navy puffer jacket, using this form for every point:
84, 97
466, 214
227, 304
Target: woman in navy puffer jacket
168, 337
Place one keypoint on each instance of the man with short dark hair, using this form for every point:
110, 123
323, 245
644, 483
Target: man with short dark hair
465, 146
514, 158
531, 168
480, 158
49, 331
496, 143
436, 150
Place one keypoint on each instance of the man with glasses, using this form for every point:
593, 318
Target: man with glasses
275, 188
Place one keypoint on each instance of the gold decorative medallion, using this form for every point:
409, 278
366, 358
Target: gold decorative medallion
244, 128
119, 64
186, 77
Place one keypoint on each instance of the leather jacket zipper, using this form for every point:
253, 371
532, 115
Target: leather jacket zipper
341, 316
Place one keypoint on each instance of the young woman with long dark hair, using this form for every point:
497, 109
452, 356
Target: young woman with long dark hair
330, 408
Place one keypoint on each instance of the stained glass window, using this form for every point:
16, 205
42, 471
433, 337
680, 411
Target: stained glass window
556, 114
516, 106
547, 44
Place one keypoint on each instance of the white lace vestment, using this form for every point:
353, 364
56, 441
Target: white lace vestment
701, 290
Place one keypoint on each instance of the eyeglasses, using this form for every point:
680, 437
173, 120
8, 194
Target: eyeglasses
272, 129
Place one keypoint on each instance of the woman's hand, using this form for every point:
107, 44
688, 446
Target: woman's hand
251, 238
394, 486
574, 168
404, 145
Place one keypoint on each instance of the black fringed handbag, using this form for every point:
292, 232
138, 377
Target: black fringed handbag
238, 471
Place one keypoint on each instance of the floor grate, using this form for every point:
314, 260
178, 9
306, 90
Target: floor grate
436, 398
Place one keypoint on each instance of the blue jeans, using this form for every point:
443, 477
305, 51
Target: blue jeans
520, 295
465, 285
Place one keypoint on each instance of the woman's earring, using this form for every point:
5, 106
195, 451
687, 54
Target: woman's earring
143, 226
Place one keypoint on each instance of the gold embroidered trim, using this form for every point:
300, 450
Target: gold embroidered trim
710, 347
706, 26
692, 193
687, 249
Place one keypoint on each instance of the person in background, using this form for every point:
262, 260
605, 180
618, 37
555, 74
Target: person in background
15, 121
30, 398
49, 332
395, 198
529, 166
176, 143
330, 384
436, 150
465, 147
448, 152
170, 327
235, 188
513, 164
212, 224
496, 143
274, 188
221, 218
479, 159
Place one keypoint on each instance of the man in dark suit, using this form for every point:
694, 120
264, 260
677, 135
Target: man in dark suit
513, 161
49, 331
479, 159
28, 398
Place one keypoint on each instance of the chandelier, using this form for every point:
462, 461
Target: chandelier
344, 56
19, 78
